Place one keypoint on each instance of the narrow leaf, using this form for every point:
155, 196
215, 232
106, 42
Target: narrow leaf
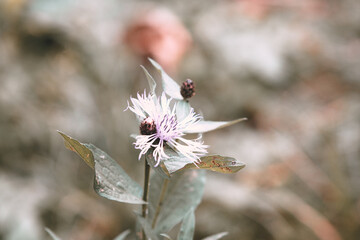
187, 227
218, 163
161, 169
207, 126
75, 146
52, 234
184, 191
111, 181
150, 79
122, 235
183, 109
170, 87
216, 236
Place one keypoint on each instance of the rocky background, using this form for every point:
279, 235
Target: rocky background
291, 67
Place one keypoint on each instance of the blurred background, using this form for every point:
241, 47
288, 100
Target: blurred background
291, 67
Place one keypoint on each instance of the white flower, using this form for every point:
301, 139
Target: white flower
160, 126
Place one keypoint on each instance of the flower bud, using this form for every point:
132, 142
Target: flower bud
187, 89
147, 126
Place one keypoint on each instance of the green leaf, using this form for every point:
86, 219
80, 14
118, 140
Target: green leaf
216, 236
176, 161
150, 79
170, 87
75, 146
111, 181
52, 234
207, 126
122, 235
184, 191
218, 163
183, 109
161, 168
187, 227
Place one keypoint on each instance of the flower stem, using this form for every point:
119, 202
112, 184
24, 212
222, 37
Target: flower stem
161, 199
146, 192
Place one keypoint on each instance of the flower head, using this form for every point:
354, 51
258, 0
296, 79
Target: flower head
187, 89
160, 125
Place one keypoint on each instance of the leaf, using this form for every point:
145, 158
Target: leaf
187, 227
176, 161
149, 232
216, 236
218, 163
184, 191
111, 181
183, 109
52, 234
122, 235
150, 79
207, 126
138, 228
170, 87
75, 146
161, 169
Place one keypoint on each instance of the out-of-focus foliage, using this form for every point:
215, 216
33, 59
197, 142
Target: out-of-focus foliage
291, 67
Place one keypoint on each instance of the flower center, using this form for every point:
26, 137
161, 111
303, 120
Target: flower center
167, 128
147, 126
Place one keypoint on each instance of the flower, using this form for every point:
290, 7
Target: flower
187, 89
160, 126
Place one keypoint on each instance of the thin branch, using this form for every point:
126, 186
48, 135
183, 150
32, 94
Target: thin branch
146, 192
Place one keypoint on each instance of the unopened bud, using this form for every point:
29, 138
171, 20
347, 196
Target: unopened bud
147, 126
187, 89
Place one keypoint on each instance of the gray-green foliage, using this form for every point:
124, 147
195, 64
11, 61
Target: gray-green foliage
187, 227
177, 186
182, 109
170, 87
150, 79
111, 181
176, 161
161, 169
183, 192
207, 126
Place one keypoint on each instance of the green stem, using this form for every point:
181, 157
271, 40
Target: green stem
161, 199
146, 192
